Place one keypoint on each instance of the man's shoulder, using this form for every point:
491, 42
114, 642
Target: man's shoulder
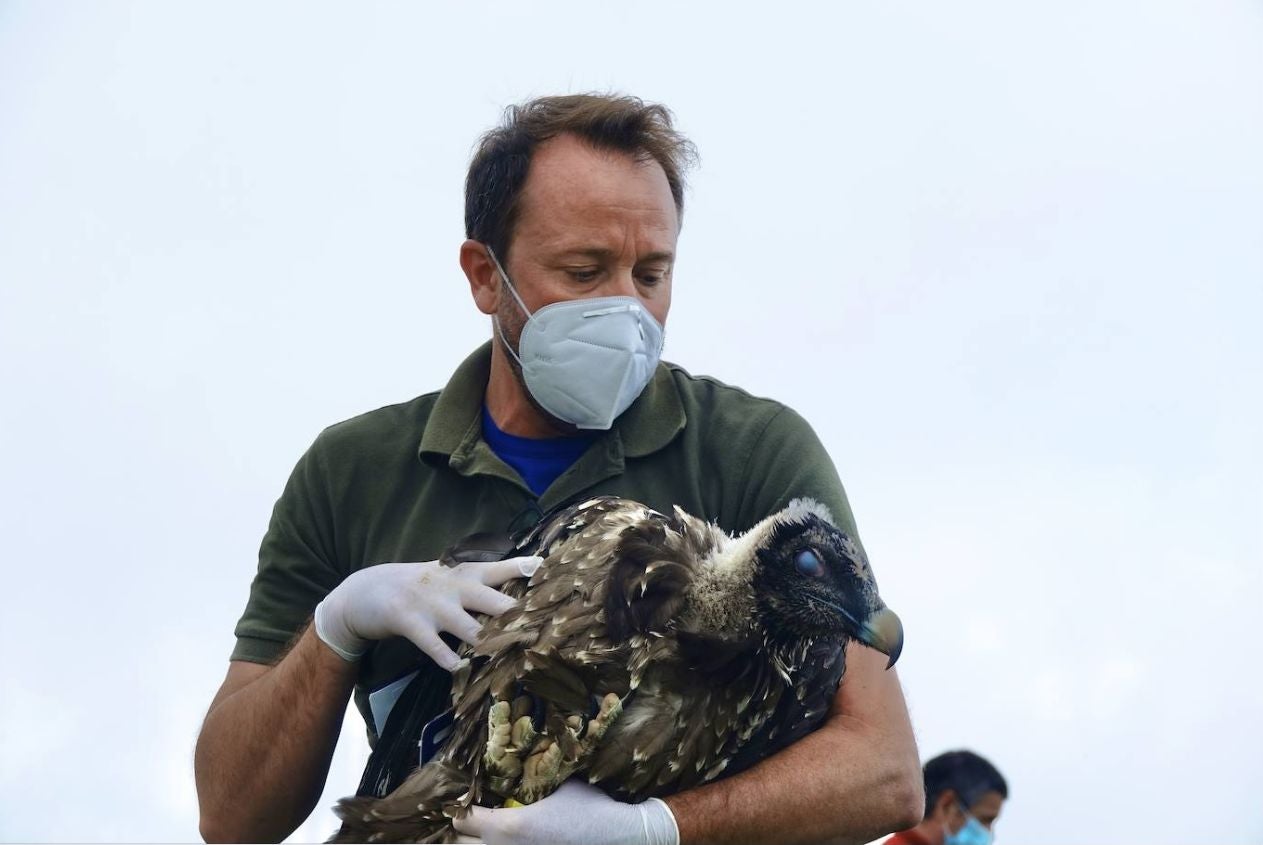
747, 455
713, 395
718, 407
388, 428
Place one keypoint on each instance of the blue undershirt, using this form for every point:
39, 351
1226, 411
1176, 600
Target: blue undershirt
538, 461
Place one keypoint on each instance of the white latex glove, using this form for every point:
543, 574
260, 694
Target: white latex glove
576, 814
417, 601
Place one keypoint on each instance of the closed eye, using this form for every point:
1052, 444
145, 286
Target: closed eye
585, 274
808, 563
652, 278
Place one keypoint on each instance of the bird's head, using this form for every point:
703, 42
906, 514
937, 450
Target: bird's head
811, 580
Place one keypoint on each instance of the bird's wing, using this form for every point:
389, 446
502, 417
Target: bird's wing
554, 644
657, 559
596, 616
689, 718
558, 525
796, 711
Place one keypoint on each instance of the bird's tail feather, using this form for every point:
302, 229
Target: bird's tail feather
418, 811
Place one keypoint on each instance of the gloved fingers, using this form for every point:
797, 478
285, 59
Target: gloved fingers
456, 621
427, 639
482, 599
496, 572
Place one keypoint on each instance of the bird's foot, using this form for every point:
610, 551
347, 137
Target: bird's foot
540, 771
497, 757
523, 733
510, 734
611, 709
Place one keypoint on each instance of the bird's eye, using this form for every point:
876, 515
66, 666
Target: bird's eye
808, 563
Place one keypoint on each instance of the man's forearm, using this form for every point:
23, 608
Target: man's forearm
853, 780
264, 750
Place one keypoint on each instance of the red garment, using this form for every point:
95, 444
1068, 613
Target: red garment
907, 837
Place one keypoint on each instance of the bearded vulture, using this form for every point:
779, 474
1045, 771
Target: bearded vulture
648, 654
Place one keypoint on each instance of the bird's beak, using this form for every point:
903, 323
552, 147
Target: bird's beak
884, 632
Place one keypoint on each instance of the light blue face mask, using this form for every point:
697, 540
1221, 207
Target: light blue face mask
972, 832
585, 360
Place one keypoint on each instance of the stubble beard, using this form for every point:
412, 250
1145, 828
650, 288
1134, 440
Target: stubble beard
511, 324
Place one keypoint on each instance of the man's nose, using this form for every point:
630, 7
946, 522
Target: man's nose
623, 283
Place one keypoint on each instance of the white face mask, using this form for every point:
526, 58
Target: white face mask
586, 360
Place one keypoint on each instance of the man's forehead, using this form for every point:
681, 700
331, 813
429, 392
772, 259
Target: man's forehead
570, 177
568, 155
988, 806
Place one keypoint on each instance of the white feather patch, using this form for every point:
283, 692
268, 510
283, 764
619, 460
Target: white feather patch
799, 508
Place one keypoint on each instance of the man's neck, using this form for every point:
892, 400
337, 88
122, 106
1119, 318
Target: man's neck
508, 404
930, 830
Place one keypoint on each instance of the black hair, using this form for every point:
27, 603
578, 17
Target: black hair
497, 174
965, 773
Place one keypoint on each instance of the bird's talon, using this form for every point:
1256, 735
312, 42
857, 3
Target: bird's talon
539, 772
523, 734
611, 709
497, 757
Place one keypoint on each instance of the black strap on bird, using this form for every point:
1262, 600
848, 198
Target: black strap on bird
395, 756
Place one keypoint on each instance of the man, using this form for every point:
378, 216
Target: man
572, 217
963, 797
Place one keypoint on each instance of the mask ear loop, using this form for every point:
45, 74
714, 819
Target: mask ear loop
529, 316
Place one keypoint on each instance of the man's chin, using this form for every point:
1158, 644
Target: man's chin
563, 428
560, 426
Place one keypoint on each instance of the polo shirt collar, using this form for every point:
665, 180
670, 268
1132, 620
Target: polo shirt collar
459, 406
655, 418
454, 429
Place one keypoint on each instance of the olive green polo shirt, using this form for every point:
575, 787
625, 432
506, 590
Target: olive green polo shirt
405, 482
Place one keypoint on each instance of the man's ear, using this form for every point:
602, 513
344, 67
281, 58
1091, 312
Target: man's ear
946, 805
484, 278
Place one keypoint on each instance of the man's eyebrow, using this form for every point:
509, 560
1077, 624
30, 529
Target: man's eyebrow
601, 252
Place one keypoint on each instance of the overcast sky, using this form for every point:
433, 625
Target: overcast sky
1007, 258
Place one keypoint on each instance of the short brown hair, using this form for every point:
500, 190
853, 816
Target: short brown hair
607, 121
